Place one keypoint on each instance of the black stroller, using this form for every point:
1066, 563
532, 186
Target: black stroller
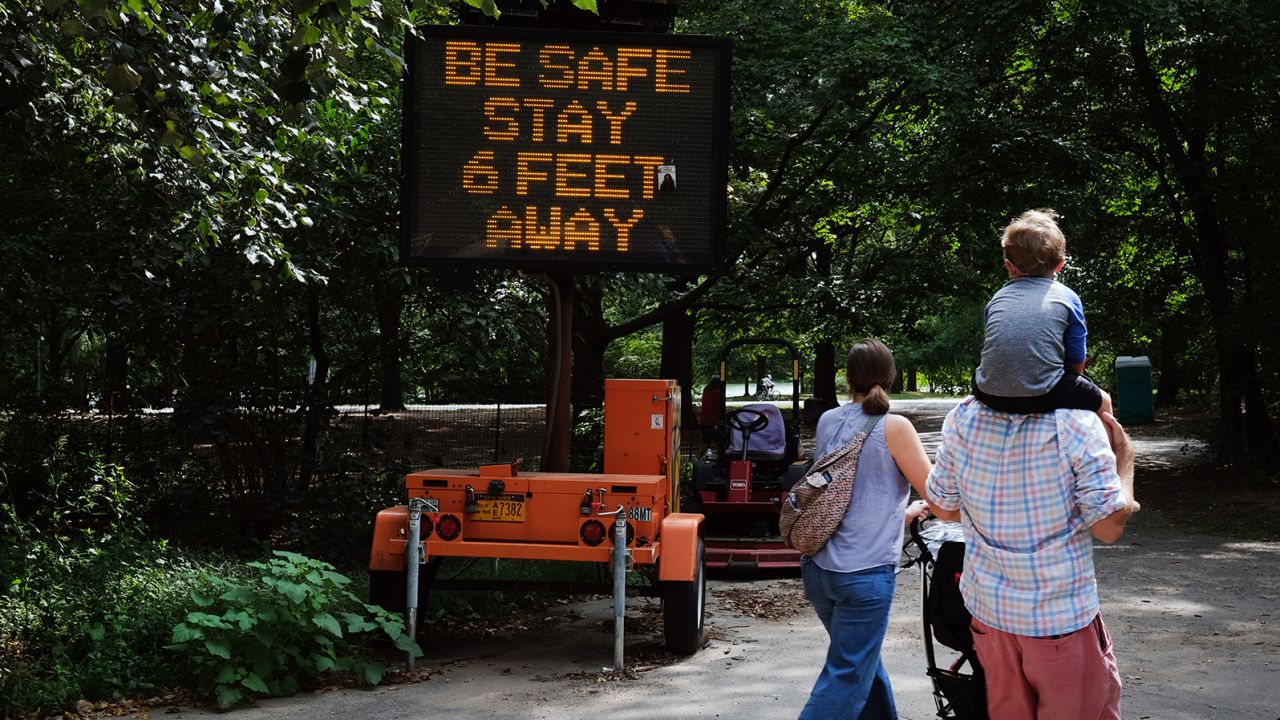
956, 694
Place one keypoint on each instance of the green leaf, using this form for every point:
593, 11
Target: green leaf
206, 620
485, 6
240, 595
200, 598
407, 644
255, 683
322, 663
191, 154
294, 591
219, 648
183, 633
228, 696
241, 618
73, 28
393, 627
170, 137
325, 621
588, 5
336, 578
372, 672
229, 674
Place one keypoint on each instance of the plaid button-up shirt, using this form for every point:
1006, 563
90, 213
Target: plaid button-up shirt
1028, 487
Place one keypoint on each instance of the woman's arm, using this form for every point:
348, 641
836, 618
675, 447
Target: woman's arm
908, 453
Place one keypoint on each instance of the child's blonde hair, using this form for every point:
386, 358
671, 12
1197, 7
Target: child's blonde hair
1034, 244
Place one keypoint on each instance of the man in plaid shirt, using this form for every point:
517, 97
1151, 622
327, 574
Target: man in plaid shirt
1030, 491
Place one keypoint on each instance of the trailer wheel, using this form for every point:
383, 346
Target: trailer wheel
683, 604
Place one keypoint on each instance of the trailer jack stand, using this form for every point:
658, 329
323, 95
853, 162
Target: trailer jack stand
412, 560
619, 583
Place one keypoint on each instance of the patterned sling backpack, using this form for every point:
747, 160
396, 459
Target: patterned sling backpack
813, 509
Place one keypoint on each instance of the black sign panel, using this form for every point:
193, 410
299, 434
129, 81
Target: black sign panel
565, 151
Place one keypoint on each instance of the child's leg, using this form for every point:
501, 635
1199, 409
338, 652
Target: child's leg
1020, 405
1072, 392
1077, 392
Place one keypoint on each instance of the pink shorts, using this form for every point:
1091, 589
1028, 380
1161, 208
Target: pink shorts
1073, 677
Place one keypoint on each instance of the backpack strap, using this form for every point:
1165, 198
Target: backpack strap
844, 449
871, 424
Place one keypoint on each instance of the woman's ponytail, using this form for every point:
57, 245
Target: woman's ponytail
876, 402
869, 370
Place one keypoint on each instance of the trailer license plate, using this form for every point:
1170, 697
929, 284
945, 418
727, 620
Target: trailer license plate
508, 508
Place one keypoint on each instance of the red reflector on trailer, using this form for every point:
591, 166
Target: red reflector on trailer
592, 532
449, 527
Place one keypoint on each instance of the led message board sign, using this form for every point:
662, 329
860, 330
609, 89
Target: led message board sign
573, 151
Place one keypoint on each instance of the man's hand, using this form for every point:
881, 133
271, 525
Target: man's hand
1121, 446
1110, 528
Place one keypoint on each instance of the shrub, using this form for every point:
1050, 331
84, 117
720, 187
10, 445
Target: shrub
298, 618
87, 598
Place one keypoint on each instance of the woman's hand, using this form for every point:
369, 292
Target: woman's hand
918, 510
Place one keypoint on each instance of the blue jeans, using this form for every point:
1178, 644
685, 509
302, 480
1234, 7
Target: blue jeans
854, 608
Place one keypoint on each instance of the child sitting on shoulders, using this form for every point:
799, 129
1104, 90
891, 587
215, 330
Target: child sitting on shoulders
1034, 347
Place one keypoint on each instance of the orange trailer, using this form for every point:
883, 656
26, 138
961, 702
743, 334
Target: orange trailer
499, 511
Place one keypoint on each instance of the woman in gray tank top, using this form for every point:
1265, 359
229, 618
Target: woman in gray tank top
851, 580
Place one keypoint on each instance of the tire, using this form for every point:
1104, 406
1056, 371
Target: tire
683, 609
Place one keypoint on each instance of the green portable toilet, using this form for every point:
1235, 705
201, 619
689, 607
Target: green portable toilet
1132, 399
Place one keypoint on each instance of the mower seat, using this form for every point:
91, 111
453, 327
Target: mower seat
768, 443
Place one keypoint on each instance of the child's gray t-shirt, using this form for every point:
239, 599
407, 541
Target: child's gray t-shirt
1033, 326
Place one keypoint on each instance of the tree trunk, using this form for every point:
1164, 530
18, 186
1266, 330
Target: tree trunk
1173, 341
824, 372
590, 340
560, 372
53, 345
677, 361
1259, 434
315, 399
117, 374
912, 384
391, 390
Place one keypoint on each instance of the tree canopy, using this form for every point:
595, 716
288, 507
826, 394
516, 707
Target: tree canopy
200, 203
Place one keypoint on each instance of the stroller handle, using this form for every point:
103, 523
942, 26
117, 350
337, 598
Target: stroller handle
916, 525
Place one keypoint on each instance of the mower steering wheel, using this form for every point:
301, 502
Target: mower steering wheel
748, 426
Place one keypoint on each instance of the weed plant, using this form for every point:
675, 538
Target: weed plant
295, 619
